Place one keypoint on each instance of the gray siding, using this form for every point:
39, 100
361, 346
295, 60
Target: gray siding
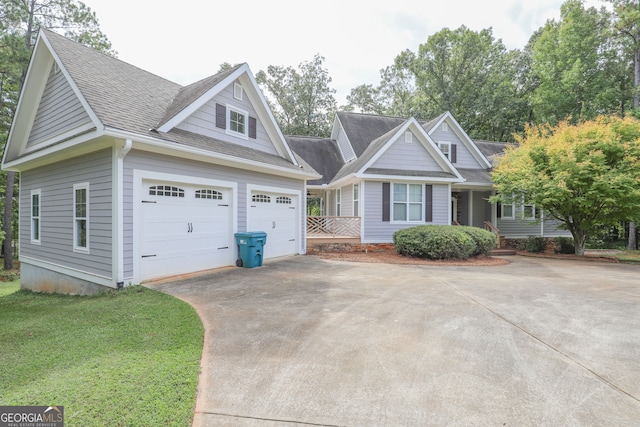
407, 156
377, 231
203, 122
59, 111
56, 183
164, 164
481, 208
345, 146
518, 228
347, 200
465, 159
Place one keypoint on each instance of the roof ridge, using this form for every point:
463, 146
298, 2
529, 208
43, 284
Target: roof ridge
114, 58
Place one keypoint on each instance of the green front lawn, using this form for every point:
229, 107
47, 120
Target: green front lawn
629, 256
7, 288
127, 358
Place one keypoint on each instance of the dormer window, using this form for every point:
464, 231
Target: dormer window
237, 121
237, 91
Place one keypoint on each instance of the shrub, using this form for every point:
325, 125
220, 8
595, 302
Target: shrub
485, 240
564, 245
535, 244
434, 242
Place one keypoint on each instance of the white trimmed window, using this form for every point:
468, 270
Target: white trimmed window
529, 211
237, 122
356, 199
508, 211
81, 217
338, 202
445, 147
35, 215
407, 200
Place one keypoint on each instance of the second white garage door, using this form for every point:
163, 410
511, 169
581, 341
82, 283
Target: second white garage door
277, 215
184, 228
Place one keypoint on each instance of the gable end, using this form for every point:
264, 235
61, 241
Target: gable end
59, 112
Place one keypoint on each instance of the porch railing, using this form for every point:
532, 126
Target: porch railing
334, 226
490, 227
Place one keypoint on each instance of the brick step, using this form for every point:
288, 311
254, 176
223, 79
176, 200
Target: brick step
502, 252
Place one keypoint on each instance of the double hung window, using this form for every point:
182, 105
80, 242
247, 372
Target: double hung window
408, 202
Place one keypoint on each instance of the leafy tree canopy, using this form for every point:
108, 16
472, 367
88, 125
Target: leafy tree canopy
301, 99
585, 175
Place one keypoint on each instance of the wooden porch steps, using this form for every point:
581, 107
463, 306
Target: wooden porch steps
502, 252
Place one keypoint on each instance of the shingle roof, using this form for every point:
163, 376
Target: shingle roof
476, 176
321, 153
361, 129
128, 98
188, 94
370, 151
427, 126
121, 95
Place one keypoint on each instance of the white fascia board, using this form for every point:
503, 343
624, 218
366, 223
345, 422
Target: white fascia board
408, 178
266, 116
426, 142
473, 148
47, 155
161, 146
42, 59
203, 99
92, 115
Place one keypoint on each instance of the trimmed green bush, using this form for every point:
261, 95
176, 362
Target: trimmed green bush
564, 245
485, 240
434, 242
534, 244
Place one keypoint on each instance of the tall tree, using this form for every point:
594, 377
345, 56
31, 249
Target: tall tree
626, 22
20, 21
470, 74
302, 100
572, 61
586, 175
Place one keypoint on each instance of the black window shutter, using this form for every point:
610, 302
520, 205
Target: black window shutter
221, 116
386, 201
428, 205
454, 153
499, 209
252, 127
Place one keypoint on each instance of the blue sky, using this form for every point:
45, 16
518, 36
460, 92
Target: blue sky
187, 40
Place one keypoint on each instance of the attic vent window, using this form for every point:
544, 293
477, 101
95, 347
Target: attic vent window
237, 91
408, 137
445, 127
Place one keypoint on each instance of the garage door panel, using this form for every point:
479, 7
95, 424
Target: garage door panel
277, 215
184, 229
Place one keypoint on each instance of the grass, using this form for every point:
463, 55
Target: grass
628, 257
7, 288
127, 358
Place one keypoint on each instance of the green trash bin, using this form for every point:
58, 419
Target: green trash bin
251, 248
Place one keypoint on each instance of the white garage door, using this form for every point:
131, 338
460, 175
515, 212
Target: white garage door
278, 216
184, 228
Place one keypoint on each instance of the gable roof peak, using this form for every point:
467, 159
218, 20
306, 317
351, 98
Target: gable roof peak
190, 93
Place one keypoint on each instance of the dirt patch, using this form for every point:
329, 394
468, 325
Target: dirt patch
390, 256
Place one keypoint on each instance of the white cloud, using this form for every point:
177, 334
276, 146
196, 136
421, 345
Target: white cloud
188, 40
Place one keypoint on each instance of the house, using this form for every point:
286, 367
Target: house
126, 176
382, 174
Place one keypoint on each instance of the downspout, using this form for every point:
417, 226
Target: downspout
121, 152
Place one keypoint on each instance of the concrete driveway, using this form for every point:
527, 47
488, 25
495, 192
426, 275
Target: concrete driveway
304, 341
